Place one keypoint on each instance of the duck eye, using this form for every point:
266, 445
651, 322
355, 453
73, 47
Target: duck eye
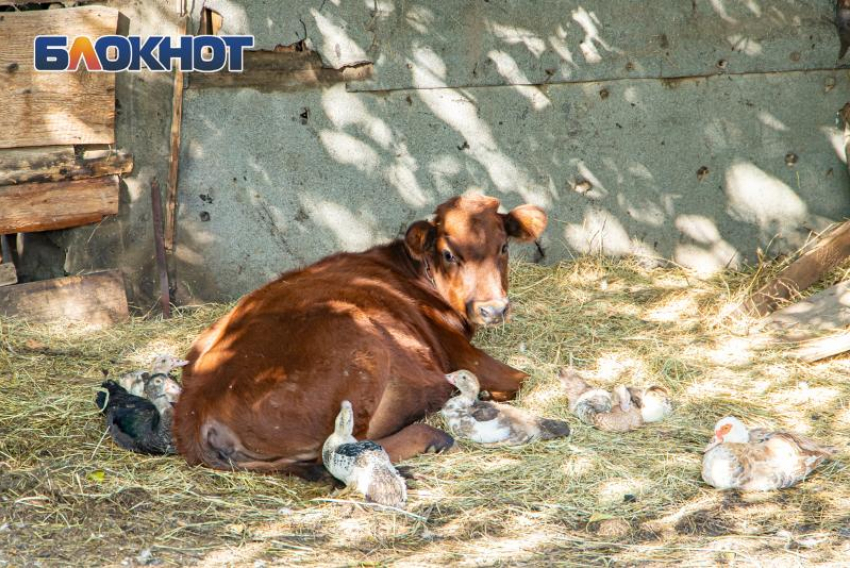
448, 256
505, 248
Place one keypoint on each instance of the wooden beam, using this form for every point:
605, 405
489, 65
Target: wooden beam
281, 70
47, 206
820, 348
802, 273
824, 312
44, 109
35, 158
97, 299
28, 165
8, 274
173, 169
23, 2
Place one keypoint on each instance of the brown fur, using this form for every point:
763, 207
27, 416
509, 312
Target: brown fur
379, 328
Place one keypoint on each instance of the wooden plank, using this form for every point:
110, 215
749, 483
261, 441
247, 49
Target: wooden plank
281, 70
35, 158
47, 206
44, 109
173, 163
97, 299
23, 2
820, 348
8, 274
824, 312
802, 273
44, 165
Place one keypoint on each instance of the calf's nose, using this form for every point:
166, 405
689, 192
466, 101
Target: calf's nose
490, 313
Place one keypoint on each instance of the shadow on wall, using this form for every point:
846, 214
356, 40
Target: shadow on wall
694, 133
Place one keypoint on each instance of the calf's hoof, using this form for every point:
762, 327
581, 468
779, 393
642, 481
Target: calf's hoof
501, 396
441, 443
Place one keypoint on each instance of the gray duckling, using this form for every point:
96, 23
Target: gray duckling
134, 382
493, 423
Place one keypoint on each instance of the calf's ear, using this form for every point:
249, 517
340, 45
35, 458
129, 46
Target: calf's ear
525, 223
420, 238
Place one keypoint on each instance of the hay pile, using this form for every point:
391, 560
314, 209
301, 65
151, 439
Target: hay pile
70, 497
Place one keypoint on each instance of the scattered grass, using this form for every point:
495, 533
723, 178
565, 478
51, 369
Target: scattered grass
69, 496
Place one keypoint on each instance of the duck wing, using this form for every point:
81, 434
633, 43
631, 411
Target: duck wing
484, 411
795, 456
133, 422
367, 467
776, 460
376, 477
806, 445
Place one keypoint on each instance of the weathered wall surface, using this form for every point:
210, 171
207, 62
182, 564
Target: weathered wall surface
693, 131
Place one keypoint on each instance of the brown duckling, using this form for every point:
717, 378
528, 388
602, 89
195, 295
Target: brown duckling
628, 409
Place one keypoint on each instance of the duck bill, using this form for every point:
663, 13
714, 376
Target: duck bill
715, 441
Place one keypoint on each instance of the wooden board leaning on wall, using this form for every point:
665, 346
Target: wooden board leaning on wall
44, 109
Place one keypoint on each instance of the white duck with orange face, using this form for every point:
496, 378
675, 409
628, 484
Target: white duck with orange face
758, 460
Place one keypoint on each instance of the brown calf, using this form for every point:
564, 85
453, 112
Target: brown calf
380, 328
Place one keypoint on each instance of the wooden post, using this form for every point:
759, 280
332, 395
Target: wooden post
156, 206
173, 169
844, 113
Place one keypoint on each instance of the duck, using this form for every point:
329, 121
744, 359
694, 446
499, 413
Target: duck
757, 459
488, 422
363, 465
136, 423
653, 403
134, 381
627, 409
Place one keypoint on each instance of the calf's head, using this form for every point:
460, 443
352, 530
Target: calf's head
464, 250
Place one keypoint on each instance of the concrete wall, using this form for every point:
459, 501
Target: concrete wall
693, 131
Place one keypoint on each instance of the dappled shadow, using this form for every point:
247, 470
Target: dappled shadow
702, 167
627, 498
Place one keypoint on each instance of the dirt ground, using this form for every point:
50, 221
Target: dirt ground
68, 496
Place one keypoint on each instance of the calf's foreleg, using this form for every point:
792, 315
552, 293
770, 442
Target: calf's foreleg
415, 439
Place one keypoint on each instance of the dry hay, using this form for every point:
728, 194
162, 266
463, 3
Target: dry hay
69, 496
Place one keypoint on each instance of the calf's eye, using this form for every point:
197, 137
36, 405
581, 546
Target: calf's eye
448, 256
